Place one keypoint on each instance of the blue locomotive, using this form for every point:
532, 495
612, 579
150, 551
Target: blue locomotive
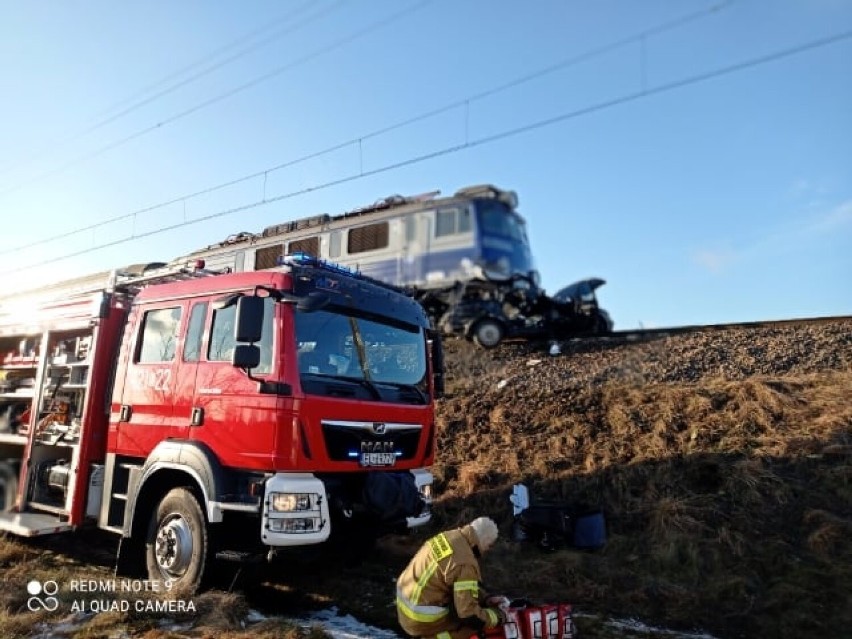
423, 241
465, 257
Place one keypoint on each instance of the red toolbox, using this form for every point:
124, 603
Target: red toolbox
548, 621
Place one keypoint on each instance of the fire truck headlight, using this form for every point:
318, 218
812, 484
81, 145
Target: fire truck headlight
292, 502
426, 492
300, 525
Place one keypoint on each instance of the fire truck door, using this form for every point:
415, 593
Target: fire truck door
239, 423
146, 413
188, 412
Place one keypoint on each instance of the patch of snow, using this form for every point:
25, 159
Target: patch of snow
346, 626
634, 626
172, 626
61, 628
255, 616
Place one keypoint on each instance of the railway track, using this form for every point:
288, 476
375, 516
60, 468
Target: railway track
641, 334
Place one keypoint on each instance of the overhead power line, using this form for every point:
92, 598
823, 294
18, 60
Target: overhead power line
508, 133
155, 91
375, 26
514, 83
252, 41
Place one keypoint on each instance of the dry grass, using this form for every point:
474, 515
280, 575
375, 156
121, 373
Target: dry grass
216, 615
723, 464
728, 494
728, 502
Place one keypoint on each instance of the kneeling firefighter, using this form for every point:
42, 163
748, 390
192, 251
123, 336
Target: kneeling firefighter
438, 594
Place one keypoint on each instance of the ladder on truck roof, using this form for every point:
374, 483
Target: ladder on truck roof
72, 298
132, 283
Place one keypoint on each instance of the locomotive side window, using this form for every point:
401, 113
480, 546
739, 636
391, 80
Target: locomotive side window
309, 245
159, 335
464, 220
452, 222
410, 228
445, 222
334, 244
368, 238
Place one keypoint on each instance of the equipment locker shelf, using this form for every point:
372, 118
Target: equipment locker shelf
43, 398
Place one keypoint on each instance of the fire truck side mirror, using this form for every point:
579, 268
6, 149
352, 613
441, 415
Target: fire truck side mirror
248, 326
246, 356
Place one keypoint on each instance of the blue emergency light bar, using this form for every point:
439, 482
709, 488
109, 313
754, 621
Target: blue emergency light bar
301, 258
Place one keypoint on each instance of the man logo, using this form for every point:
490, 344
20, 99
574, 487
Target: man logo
380, 428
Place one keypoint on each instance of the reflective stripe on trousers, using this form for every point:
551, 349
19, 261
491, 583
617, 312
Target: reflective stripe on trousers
423, 614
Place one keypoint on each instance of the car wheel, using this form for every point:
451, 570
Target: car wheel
601, 325
177, 541
488, 333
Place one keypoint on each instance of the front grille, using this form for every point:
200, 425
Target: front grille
343, 439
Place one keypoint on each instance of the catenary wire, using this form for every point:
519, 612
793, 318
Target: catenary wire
154, 91
508, 133
514, 83
375, 26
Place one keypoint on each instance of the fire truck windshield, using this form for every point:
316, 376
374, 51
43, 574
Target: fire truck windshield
378, 361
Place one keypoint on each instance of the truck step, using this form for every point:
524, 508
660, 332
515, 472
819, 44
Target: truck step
239, 556
32, 524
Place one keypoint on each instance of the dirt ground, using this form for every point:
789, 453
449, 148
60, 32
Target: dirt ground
722, 463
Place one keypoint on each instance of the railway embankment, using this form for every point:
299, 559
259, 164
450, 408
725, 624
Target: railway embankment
722, 461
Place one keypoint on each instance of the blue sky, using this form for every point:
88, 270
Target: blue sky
707, 198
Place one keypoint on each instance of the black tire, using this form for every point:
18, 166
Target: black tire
8, 486
601, 326
177, 544
488, 333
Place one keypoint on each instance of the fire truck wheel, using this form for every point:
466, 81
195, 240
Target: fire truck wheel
8, 486
176, 546
487, 333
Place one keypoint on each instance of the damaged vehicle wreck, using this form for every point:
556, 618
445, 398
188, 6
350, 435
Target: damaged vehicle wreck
489, 309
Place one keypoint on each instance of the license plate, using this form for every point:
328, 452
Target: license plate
378, 459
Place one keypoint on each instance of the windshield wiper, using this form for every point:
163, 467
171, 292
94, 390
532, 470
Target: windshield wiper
370, 386
409, 387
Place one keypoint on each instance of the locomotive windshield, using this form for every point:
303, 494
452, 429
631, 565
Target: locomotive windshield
505, 247
351, 356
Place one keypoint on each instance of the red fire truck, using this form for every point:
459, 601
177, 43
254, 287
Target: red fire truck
201, 415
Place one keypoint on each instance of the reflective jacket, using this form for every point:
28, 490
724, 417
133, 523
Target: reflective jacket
439, 589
